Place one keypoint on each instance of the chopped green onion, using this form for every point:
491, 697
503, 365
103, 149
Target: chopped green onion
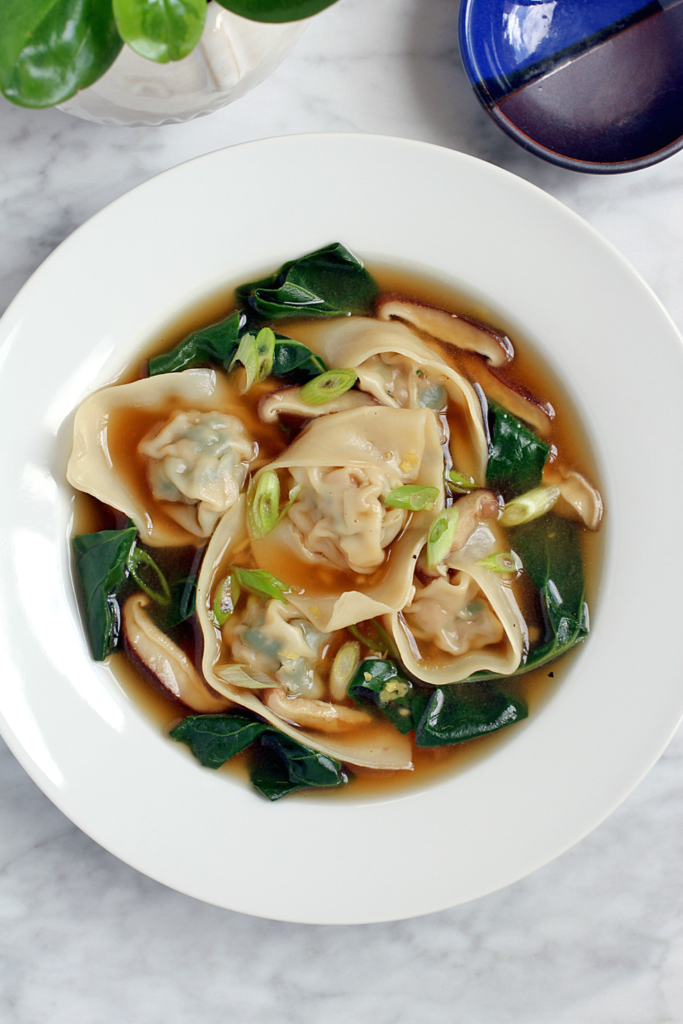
226, 599
293, 495
529, 506
247, 355
458, 482
327, 386
442, 535
421, 373
346, 661
265, 351
262, 583
413, 497
503, 562
263, 503
380, 640
252, 680
138, 557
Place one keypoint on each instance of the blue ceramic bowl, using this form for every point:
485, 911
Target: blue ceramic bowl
593, 85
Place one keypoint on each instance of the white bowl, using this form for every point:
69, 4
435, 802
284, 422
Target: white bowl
94, 753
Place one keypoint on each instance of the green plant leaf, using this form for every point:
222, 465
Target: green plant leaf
214, 345
270, 776
276, 10
294, 361
328, 282
464, 711
160, 30
214, 739
299, 767
516, 455
102, 568
550, 550
49, 49
381, 682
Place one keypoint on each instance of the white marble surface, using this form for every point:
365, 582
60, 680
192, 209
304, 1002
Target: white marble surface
595, 937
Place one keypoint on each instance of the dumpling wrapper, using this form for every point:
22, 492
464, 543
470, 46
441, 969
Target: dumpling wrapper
404, 440
101, 465
374, 746
355, 342
503, 657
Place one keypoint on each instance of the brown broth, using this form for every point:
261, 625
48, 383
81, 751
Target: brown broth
567, 436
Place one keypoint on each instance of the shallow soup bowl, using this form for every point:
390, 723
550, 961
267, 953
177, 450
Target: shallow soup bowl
172, 243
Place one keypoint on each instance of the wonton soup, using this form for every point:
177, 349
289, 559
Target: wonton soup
341, 529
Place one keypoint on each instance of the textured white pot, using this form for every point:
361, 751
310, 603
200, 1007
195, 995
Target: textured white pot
232, 56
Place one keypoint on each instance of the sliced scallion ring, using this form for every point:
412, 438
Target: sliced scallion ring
265, 351
442, 535
412, 497
529, 506
327, 386
502, 562
247, 355
458, 482
262, 583
263, 504
139, 557
346, 661
225, 602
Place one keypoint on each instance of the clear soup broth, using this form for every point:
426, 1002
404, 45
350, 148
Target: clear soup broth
527, 374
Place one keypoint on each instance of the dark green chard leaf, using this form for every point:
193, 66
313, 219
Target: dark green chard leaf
102, 566
276, 10
160, 30
214, 739
381, 682
182, 604
269, 774
329, 282
294, 361
516, 456
49, 49
550, 549
464, 711
215, 345
299, 767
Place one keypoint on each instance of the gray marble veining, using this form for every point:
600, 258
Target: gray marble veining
595, 937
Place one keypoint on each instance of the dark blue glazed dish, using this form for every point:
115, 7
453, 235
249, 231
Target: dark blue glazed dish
593, 85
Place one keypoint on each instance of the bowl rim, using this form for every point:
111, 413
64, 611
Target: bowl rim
484, 828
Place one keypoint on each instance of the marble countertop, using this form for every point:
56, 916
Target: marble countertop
595, 937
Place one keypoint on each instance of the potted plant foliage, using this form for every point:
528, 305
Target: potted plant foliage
143, 61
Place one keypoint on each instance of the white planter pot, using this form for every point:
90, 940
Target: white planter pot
232, 56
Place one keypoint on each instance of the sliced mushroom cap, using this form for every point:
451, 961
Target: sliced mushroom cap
512, 396
578, 500
449, 327
287, 400
170, 667
315, 714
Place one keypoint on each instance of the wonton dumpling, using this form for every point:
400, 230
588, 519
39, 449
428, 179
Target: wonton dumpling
112, 422
471, 616
272, 638
197, 463
339, 515
376, 745
399, 370
339, 524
